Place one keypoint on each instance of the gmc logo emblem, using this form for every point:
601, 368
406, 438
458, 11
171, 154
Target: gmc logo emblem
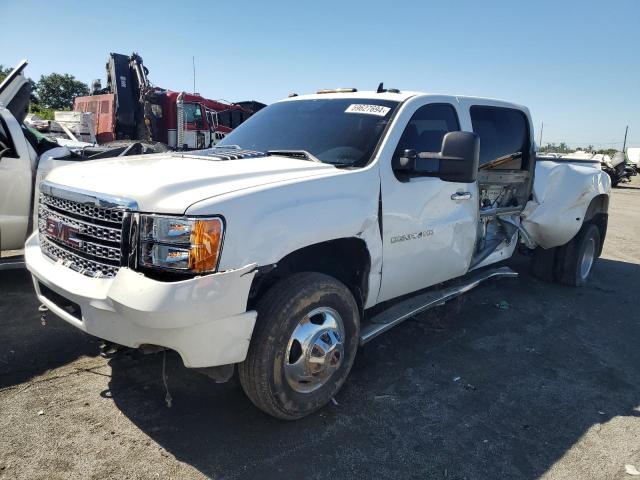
63, 232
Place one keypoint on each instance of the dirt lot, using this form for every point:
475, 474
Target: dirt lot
548, 387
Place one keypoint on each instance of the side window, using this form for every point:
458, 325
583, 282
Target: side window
504, 136
224, 118
236, 118
427, 128
7, 149
156, 110
192, 113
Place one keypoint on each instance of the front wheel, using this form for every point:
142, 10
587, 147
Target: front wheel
303, 345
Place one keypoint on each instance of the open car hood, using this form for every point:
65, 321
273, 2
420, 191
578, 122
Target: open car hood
15, 91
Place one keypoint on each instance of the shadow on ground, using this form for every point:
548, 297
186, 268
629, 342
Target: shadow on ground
627, 186
470, 390
28, 348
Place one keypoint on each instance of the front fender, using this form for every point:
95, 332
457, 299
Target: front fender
264, 224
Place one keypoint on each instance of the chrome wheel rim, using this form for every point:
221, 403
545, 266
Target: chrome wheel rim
315, 350
587, 258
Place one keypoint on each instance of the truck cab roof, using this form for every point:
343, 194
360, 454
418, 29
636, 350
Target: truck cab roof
403, 95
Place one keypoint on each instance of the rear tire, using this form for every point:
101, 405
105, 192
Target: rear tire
542, 263
303, 345
571, 263
575, 260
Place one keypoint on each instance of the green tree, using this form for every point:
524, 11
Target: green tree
57, 91
4, 71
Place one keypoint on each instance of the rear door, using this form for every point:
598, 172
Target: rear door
429, 225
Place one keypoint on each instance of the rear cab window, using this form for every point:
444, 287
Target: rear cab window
504, 137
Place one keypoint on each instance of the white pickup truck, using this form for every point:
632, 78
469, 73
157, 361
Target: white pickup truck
318, 224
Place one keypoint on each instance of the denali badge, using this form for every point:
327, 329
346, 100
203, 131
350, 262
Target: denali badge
63, 232
412, 236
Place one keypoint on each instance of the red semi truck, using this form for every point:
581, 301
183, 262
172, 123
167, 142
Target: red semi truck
130, 108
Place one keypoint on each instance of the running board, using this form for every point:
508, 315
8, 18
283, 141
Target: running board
412, 306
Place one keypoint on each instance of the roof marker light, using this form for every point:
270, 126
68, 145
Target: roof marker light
338, 90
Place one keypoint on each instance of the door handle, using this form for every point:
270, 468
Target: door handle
461, 196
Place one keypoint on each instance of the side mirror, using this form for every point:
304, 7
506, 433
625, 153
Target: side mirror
406, 162
457, 161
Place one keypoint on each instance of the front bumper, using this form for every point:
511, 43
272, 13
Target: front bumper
204, 319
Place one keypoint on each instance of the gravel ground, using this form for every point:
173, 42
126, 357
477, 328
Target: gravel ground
548, 387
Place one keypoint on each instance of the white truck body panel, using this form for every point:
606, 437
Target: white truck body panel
15, 187
339, 204
169, 183
422, 207
133, 310
562, 193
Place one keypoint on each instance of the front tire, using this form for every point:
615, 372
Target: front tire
303, 345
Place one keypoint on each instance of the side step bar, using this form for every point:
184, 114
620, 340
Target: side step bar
412, 306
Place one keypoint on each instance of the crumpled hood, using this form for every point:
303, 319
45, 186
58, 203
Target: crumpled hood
170, 182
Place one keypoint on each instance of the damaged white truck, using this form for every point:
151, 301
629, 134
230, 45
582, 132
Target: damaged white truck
319, 223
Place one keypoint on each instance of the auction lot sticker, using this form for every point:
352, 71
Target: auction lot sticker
378, 110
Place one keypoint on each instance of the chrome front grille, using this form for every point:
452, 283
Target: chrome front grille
85, 266
84, 209
82, 231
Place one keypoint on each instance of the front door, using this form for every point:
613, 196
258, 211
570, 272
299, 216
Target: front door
429, 225
15, 183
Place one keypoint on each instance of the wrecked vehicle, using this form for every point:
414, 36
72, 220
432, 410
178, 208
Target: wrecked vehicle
617, 168
318, 224
131, 108
26, 157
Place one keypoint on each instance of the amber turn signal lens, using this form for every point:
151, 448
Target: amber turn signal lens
206, 240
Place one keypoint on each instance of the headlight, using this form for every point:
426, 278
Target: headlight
180, 243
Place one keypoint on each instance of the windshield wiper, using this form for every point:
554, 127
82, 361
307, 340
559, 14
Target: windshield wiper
300, 154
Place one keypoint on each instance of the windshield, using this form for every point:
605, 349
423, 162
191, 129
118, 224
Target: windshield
192, 113
338, 131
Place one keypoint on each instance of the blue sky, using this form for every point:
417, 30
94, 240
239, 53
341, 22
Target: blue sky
575, 64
